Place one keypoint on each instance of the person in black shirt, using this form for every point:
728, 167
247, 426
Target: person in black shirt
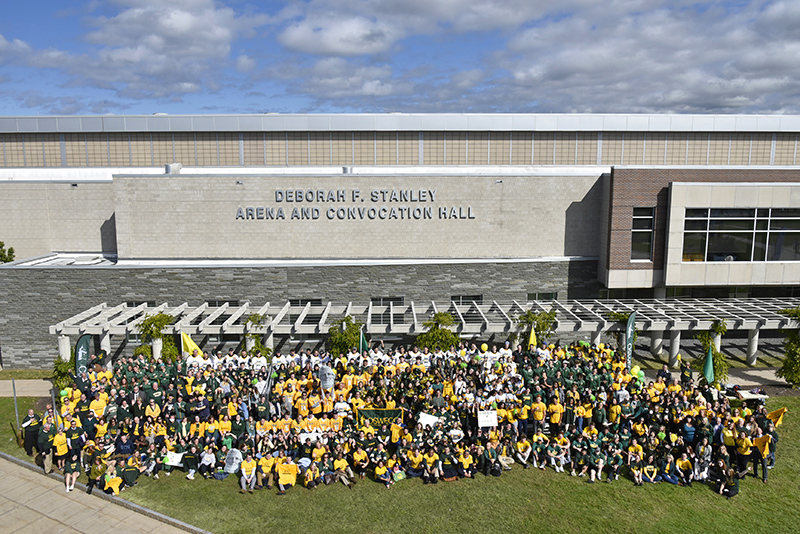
31, 424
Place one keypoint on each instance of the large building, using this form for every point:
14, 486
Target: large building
395, 215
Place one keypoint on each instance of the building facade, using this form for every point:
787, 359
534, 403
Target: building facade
376, 208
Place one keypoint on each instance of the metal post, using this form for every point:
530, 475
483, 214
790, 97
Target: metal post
16, 409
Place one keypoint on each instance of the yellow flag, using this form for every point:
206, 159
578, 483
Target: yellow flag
777, 416
532, 339
189, 345
763, 444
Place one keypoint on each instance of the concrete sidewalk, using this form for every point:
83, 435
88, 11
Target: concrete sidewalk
32, 502
26, 388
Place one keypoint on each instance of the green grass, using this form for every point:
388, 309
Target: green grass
26, 374
519, 501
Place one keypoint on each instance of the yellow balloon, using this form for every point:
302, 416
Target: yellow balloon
484, 347
635, 370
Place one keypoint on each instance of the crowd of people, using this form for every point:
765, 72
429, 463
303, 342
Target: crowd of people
309, 418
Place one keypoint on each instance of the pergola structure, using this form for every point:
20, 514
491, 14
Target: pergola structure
473, 319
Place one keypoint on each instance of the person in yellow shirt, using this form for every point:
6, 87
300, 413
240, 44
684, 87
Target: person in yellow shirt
287, 475
302, 405
685, 469
431, 467
414, 462
248, 479
743, 451
360, 461
538, 411
266, 471
556, 412
312, 477
342, 471
98, 406
383, 475
61, 449
466, 467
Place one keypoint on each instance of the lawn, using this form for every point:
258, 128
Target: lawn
519, 501
26, 374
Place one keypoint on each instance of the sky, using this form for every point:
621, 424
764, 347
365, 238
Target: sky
64, 57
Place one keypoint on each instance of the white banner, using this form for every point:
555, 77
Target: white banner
175, 459
426, 419
487, 418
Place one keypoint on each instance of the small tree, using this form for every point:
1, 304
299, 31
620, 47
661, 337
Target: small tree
542, 323
256, 320
6, 256
790, 369
706, 339
343, 335
439, 335
619, 335
62, 371
152, 327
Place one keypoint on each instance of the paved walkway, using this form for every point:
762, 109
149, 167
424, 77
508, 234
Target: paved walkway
30, 502
26, 388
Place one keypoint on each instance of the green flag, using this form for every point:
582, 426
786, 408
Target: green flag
362, 342
630, 329
82, 353
708, 368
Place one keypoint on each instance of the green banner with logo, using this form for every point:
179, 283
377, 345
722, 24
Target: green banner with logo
378, 417
630, 330
82, 348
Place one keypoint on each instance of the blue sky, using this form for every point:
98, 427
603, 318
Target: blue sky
238, 56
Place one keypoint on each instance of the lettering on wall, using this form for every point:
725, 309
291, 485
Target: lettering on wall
353, 204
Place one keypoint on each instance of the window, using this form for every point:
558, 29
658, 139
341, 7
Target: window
219, 302
387, 317
135, 303
735, 234
679, 292
642, 234
543, 295
133, 337
467, 299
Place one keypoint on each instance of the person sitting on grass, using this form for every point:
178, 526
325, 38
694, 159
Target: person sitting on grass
685, 470
650, 471
431, 467
287, 475
729, 486
248, 474
312, 477
383, 475
72, 468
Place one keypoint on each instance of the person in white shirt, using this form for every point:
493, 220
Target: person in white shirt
258, 361
506, 350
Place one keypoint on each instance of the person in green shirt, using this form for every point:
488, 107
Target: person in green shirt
72, 469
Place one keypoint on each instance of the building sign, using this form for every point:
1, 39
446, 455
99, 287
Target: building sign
353, 204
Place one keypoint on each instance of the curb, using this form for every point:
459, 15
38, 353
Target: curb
152, 514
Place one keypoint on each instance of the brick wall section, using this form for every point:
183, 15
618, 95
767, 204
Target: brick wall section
641, 188
34, 299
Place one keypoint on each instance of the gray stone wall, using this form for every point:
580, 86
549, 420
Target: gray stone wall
33, 299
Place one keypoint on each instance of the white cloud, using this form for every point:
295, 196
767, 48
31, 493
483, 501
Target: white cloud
154, 48
245, 63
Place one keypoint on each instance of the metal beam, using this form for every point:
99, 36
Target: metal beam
324, 317
208, 320
302, 315
233, 318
